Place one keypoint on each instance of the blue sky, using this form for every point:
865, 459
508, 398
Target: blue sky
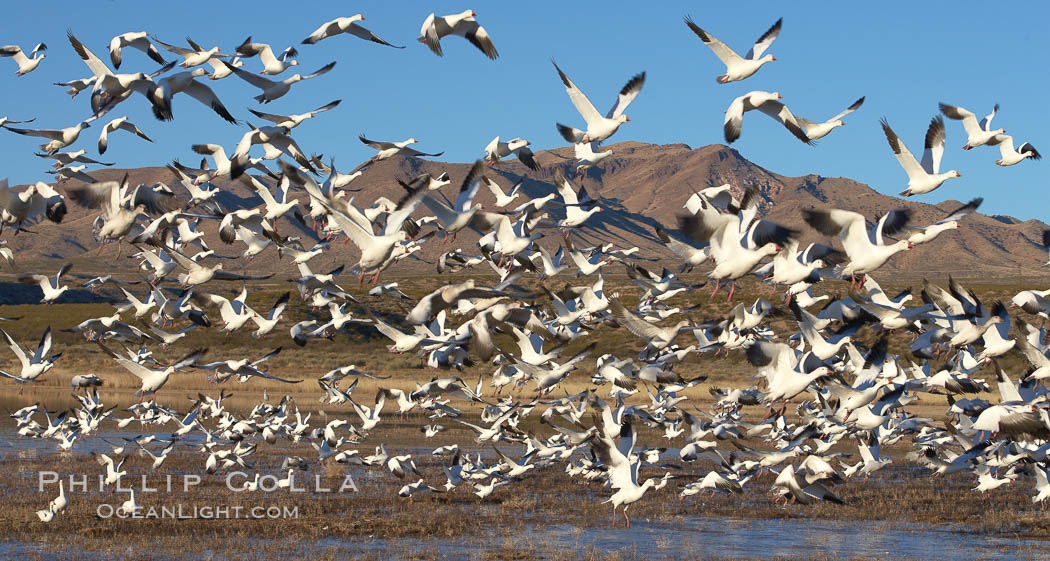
904, 56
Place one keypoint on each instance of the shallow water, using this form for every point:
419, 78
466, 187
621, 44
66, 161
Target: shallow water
689, 538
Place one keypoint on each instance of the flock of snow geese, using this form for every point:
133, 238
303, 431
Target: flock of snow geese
856, 396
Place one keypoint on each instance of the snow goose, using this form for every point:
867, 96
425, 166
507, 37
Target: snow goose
235, 313
1008, 155
503, 199
276, 137
185, 82
51, 287
59, 138
866, 251
598, 128
154, 380
586, 265
656, 338
390, 149
816, 131
446, 297
513, 238
84, 381
267, 323
121, 206
519, 147
193, 56
64, 159
345, 25
691, 256
292, 121
435, 28
19, 207
197, 274
26, 64
924, 177
622, 471
737, 67
587, 157
272, 65
949, 222
130, 508
76, 86
271, 89
792, 266
460, 215
137, 40
1035, 302
370, 416
978, 134
768, 104
578, 207
115, 125
243, 368
35, 366
132, 302
165, 338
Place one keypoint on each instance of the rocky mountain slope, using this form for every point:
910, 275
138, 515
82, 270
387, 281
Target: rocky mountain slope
641, 185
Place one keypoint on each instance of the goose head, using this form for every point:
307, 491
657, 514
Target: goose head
198, 72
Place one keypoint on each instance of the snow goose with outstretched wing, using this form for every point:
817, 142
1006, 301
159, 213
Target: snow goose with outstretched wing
26, 64
519, 147
924, 177
816, 131
866, 252
949, 222
978, 133
138, 40
1010, 156
345, 25
272, 89
598, 127
463, 24
768, 104
737, 67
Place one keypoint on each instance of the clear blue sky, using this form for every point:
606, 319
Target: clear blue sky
904, 56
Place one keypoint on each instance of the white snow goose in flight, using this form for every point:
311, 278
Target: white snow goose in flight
26, 64
866, 251
463, 24
196, 55
598, 128
978, 134
272, 89
272, 64
816, 131
922, 177
136, 39
519, 147
388, 149
1010, 156
345, 25
737, 67
949, 222
768, 104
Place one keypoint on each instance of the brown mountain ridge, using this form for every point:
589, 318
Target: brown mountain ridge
641, 186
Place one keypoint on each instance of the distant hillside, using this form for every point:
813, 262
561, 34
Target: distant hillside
641, 184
